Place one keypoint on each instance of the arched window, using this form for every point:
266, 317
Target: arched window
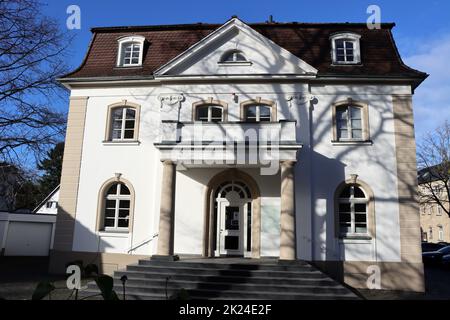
117, 207
233, 56
351, 122
353, 211
209, 113
130, 51
346, 48
257, 113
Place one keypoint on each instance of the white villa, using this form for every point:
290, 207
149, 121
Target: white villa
287, 140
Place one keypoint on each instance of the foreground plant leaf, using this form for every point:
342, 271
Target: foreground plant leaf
105, 284
91, 270
42, 290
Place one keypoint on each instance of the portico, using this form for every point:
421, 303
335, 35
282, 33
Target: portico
232, 214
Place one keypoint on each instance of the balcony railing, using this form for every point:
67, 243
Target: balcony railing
201, 144
283, 133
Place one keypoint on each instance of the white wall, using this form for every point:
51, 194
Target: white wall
321, 167
190, 209
374, 164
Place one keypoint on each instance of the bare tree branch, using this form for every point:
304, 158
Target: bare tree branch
32, 56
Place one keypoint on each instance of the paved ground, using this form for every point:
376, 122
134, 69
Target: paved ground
19, 277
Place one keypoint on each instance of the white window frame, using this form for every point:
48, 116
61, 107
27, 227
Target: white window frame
210, 107
234, 53
349, 123
351, 37
117, 197
352, 201
258, 114
422, 210
126, 40
122, 129
223, 63
51, 203
440, 233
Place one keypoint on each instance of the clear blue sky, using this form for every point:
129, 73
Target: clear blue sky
422, 32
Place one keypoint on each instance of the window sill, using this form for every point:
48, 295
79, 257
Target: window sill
352, 142
114, 233
234, 64
121, 143
350, 237
346, 64
129, 67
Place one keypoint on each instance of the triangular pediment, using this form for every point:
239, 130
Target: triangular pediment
263, 56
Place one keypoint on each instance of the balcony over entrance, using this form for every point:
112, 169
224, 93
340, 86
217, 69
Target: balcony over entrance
215, 143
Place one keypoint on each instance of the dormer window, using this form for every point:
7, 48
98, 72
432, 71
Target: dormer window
130, 51
346, 49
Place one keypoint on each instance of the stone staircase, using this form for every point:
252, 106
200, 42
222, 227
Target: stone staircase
226, 279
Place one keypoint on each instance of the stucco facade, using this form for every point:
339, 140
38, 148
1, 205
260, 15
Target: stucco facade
295, 204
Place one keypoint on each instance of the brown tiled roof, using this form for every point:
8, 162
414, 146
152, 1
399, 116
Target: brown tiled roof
308, 41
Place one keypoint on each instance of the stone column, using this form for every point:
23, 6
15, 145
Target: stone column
288, 242
167, 213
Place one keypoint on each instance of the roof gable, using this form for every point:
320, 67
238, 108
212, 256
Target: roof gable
263, 55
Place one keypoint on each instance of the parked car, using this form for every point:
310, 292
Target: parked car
429, 246
446, 260
436, 257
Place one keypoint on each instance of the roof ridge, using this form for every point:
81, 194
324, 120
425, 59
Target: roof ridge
388, 25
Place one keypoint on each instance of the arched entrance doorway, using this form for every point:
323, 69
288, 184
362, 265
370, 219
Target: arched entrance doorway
233, 211
232, 216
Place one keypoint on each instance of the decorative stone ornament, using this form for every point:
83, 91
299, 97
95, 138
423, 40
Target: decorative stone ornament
300, 99
353, 178
170, 106
117, 176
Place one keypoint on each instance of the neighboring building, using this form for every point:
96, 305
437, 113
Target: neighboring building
50, 204
288, 140
434, 221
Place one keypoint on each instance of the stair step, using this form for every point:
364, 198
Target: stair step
227, 280
220, 272
152, 285
205, 293
318, 279
295, 266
